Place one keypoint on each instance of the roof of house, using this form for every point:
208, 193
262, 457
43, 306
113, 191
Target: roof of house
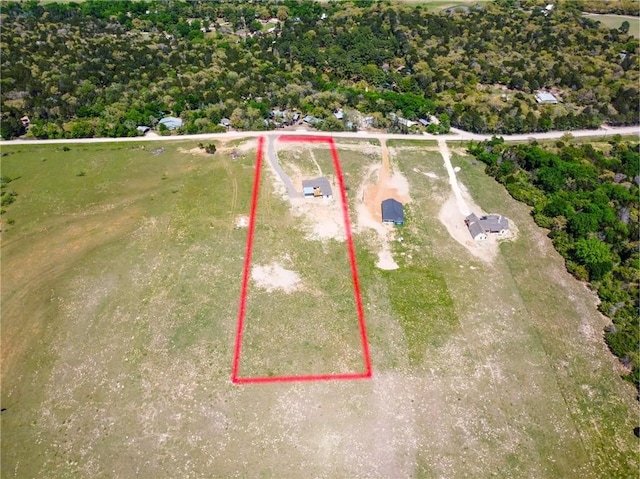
488, 223
312, 120
475, 229
171, 122
321, 183
494, 223
392, 210
339, 114
143, 129
473, 223
225, 122
545, 97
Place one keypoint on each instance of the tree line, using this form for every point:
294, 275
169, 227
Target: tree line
588, 199
103, 68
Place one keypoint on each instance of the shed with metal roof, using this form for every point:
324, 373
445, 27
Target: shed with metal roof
392, 212
171, 122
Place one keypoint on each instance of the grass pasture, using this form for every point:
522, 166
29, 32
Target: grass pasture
615, 22
121, 276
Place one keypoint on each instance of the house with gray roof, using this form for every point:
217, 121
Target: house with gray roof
317, 188
480, 228
171, 122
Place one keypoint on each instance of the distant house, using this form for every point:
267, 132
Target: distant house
423, 122
312, 120
489, 224
225, 122
143, 129
171, 122
339, 114
546, 97
317, 188
392, 212
402, 121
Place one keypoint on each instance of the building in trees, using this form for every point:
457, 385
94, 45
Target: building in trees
171, 122
544, 97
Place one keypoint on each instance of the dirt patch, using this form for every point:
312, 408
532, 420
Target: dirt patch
194, 151
324, 218
428, 174
242, 221
387, 185
385, 259
274, 277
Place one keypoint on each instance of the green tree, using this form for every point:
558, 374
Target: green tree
595, 256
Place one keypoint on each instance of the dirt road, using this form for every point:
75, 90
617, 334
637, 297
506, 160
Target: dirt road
453, 181
456, 135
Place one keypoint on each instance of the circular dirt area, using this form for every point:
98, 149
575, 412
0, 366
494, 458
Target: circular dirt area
274, 277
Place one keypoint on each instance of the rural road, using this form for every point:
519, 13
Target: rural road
456, 135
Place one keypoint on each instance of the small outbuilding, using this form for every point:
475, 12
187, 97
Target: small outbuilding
143, 129
317, 188
544, 97
392, 212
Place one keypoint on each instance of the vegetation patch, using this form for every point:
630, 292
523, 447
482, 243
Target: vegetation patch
382, 65
588, 199
119, 307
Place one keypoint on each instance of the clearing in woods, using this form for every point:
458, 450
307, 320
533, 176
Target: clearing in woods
121, 273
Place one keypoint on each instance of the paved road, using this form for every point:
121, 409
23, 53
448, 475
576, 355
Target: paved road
273, 159
455, 135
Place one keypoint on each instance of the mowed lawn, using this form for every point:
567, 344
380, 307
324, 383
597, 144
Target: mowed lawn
120, 287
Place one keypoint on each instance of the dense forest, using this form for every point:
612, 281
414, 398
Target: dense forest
99, 68
589, 201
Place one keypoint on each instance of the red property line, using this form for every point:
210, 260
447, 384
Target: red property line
247, 262
235, 378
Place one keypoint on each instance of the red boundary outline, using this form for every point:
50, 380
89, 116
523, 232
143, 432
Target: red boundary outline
235, 374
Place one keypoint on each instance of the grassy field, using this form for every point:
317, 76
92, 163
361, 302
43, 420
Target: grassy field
615, 21
121, 276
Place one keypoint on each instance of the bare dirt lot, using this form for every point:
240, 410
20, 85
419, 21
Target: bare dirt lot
381, 183
119, 303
